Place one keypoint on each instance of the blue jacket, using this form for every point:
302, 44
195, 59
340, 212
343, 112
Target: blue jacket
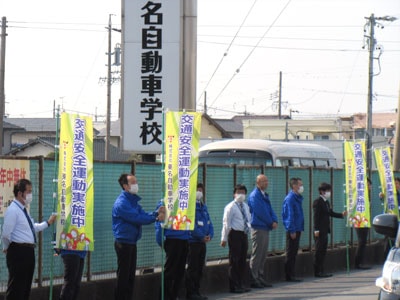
203, 225
292, 212
169, 233
262, 214
128, 218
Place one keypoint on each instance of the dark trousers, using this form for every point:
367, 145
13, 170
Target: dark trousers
362, 236
292, 246
176, 251
195, 261
321, 244
238, 245
21, 265
73, 269
126, 256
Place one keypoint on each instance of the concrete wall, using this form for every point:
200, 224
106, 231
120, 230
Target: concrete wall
215, 278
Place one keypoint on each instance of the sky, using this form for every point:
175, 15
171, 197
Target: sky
56, 53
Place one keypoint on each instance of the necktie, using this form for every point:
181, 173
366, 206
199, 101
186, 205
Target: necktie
30, 224
246, 228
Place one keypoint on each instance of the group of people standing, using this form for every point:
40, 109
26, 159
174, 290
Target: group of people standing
185, 247
258, 218
181, 246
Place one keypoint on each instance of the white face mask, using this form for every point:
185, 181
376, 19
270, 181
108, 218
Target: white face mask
134, 188
301, 190
240, 197
327, 195
199, 195
28, 199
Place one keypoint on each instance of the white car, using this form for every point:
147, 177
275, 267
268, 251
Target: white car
389, 282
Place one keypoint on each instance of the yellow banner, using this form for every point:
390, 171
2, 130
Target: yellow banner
75, 184
182, 135
383, 161
357, 199
11, 170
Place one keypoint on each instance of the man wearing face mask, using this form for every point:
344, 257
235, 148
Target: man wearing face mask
203, 233
127, 220
235, 228
322, 213
263, 220
293, 220
19, 241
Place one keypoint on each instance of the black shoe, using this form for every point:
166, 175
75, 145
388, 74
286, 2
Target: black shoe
237, 291
264, 283
194, 297
246, 289
323, 275
257, 285
293, 279
362, 267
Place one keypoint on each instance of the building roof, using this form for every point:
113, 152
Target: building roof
379, 120
34, 124
98, 148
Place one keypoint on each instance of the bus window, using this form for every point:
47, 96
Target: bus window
282, 162
306, 162
321, 163
296, 162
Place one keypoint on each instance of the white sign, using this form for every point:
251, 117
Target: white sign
151, 70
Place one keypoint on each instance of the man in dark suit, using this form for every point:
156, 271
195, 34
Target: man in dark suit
322, 213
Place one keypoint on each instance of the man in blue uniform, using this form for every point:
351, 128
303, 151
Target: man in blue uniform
127, 220
203, 233
293, 220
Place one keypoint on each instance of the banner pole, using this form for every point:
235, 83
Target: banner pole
162, 197
55, 192
348, 212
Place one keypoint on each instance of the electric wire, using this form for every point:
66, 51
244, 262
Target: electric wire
251, 52
227, 50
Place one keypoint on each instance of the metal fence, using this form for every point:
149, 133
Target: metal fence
219, 182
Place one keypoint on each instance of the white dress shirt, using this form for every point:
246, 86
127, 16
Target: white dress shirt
233, 219
16, 227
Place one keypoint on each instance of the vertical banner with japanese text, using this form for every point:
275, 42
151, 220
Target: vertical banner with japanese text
181, 162
383, 161
357, 195
11, 170
75, 184
151, 74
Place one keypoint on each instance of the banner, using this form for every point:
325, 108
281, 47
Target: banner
11, 170
181, 161
75, 184
357, 194
383, 161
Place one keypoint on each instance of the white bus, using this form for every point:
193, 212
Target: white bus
267, 153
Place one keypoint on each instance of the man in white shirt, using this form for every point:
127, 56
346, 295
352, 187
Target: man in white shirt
235, 228
19, 241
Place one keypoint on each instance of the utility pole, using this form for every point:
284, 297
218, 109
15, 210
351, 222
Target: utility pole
396, 152
205, 102
108, 117
372, 45
280, 96
2, 72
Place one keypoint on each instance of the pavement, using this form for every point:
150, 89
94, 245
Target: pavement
356, 284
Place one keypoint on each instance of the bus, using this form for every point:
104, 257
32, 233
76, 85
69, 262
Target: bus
268, 153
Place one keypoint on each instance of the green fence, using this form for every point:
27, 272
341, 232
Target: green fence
219, 182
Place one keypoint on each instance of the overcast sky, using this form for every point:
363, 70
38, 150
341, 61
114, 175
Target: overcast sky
56, 51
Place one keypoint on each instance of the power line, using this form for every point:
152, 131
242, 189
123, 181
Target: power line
295, 48
251, 51
227, 50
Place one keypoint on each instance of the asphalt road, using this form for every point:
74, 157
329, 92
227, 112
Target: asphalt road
356, 284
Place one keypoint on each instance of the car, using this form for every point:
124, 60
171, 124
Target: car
389, 282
